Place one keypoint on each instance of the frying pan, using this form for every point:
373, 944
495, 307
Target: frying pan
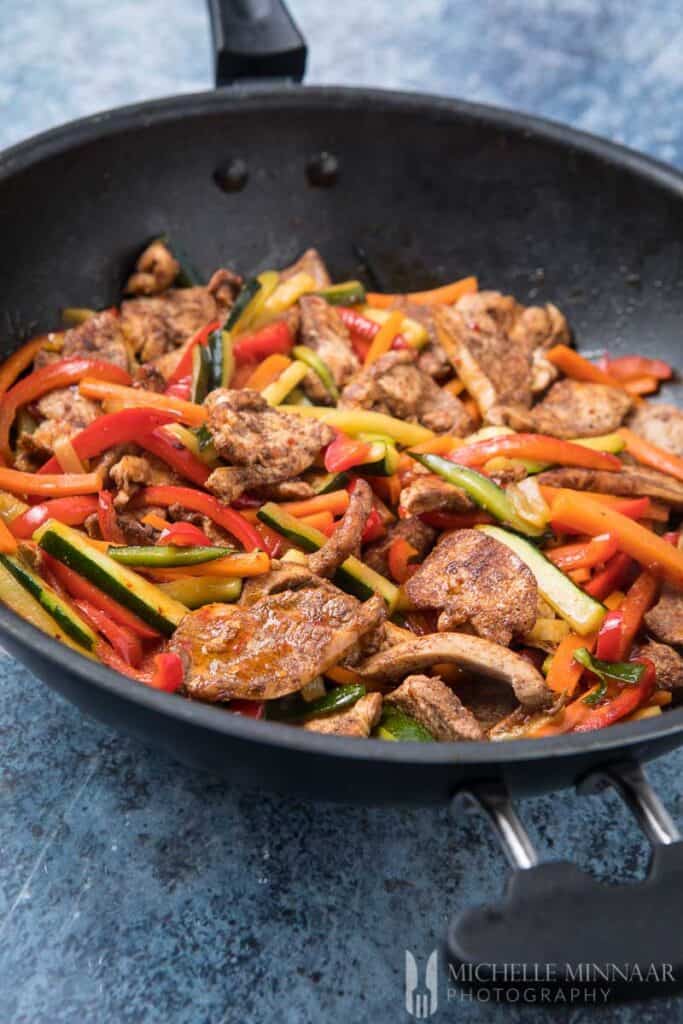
409, 191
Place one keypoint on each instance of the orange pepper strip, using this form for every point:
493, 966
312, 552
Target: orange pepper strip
382, 341
585, 555
651, 455
446, 294
186, 412
567, 719
54, 485
565, 673
651, 510
535, 446
323, 521
442, 444
401, 559
579, 575
252, 563
579, 368
15, 364
454, 387
155, 521
335, 502
388, 488
641, 386
8, 542
268, 371
639, 599
589, 516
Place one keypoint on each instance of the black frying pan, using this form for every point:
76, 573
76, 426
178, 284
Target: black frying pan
425, 189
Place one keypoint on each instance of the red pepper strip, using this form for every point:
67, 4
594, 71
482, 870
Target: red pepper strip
345, 452
184, 367
71, 511
196, 501
535, 446
81, 588
629, 699
112, 429
610, 638
401, 558
357, 323
168, 672
632, 367
184, 535
613, 577
181, 389
106, 517
126, 644
374, 527
15, 364
174, 453
55, 375
248, 708
275, 337
639, 599
584, 556
455, 520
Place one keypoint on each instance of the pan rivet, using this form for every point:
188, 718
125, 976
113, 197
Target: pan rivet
322, 170
231, 176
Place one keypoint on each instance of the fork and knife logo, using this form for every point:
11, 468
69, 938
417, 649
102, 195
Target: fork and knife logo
422, 1001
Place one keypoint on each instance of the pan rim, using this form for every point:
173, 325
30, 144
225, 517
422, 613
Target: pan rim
476, 754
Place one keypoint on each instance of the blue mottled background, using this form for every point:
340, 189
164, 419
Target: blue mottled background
131, 890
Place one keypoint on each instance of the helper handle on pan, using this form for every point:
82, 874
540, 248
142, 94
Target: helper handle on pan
560, 927
255, 39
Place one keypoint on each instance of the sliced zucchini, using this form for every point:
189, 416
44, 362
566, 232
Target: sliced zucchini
201, 374
323, 483
296, 709
65, 616
166, 556
196, 591
352, 575
268, 281
239, 307
118, 581
346, 293
320, 368
583, 613
15, 597
11, 506
396, 725
222, 358
383, 462
188, 276
204, 437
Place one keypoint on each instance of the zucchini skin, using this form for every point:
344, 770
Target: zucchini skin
201, 374
346, 293
321, 369
164, 556
326, 482
67, 619
118, 581
295, 709
396, 725
249, 290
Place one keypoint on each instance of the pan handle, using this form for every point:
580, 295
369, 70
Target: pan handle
556, 926
255, 39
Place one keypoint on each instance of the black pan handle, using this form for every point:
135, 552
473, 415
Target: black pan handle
556, 926
255, 39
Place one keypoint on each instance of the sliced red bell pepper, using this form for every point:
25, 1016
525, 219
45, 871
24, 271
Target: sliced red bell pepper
111, 429
613, 577
197, 501
640, 597
71, 511
374, 527
535, 446
275, 337
583, 556
184, 367
48, 378
358, 324
174, 453
610, 638
184, 535
631, 367
248, 708
180, 389
271, 542
168, 672
124, 641
106, 517
81, 588
402, 559
628, 700
346, 452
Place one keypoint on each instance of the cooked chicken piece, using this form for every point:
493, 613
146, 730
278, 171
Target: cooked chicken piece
312, 263
358, 720
65, 413
272, 648
665, 620
133, 470
432, 359
346, 538
630, 482
324, 331
432, 494
495, 346
134, 531
99, 337
224, 285
668, 664
570, 409
412, 529
479, 581
434, 705
489, 700
285, 490
155, 271
262, 444
661, 425
150, 378
282, 576
161, 323
471, 653
395, 385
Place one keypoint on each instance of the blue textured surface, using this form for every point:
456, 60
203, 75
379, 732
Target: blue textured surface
132, 890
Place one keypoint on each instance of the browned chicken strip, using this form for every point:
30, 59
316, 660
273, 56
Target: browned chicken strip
570, 409
346, 538
324, 331
155, 271
631, 481
427, 493
430, 702
412, 529
358, 720
668, 664
665, 620
661, 425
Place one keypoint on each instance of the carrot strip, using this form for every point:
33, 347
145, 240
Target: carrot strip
157, 522
442, 444
447, 294
186, 412
268, 371
579, 368
15, 364
653, 552
639, 599
323, 521
634, 508
579, 575
641, 385
535, 446
335, 502
8, 542
565, 673
49, 484
651, 455
382, 341
252, 563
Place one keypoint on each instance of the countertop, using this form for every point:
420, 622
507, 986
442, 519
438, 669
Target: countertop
133, 890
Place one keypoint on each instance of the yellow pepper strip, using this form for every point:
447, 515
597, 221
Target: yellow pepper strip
287, 293
269, 281
276, 392
613, 443
359, 421
382, 341
189, 440
268, 371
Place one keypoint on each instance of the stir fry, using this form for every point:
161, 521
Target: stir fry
419, 517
